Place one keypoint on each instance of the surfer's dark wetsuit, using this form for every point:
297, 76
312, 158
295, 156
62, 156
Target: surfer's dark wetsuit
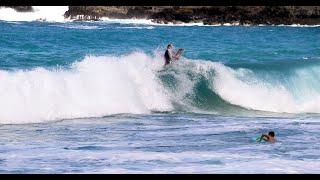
167, 57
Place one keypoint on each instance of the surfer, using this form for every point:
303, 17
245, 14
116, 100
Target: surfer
267, 137
169, 55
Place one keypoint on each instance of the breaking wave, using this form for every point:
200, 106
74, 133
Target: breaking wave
138, 83
41, 13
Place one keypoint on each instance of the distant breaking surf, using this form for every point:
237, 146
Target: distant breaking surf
41, 13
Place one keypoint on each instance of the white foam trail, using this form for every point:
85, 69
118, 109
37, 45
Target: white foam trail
94, 87
232, 24
137, 27
149, 22
127, 21
298, 25
41, 13
77, 26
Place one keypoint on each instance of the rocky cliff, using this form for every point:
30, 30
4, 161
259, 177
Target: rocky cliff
205, 14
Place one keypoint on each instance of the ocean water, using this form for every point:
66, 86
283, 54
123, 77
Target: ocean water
95, 97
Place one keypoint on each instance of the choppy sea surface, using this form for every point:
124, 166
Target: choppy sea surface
95, 97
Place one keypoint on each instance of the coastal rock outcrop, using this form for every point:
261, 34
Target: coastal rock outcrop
205, 14
307, 15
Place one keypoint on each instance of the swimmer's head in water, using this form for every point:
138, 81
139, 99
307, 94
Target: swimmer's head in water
271, 133
169, 46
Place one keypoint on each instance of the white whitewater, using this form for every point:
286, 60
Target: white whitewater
94, 87
41, 13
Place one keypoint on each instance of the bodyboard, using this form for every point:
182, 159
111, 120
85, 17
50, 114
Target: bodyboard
256, 139
179, 53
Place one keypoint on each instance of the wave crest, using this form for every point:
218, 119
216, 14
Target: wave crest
95, 86
138, 83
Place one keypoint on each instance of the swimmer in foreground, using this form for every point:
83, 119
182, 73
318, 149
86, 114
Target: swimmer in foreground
270, 137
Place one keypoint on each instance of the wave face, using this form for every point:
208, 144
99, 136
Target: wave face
213, 86
138, 83
41, 13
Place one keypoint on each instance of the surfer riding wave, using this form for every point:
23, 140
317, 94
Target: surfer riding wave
169, 55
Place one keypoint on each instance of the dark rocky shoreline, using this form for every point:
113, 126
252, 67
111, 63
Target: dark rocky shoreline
275, 15
306, 15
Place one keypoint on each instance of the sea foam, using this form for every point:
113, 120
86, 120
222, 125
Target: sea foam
93, 87
41, 13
